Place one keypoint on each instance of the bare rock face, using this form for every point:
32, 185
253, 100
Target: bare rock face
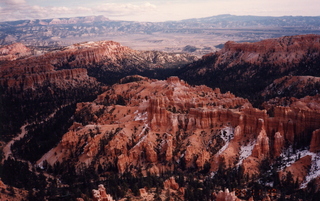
315, 141
61, 78
101, 195
151, 155
109, 56
13, 52
143, 192
261, 148
276, 49
226, 195
171, 184
278, 144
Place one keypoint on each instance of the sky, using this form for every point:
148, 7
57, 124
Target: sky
153, 10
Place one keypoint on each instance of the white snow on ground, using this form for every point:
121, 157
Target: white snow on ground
143, 130
314, 171
141, 117
227, 135
246, 151
289, 158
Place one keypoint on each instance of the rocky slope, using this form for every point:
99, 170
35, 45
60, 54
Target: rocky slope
293, 86
153, 127
14, 51
71, 69
243, 67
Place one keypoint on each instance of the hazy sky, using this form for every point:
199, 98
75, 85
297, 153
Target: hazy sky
153, 10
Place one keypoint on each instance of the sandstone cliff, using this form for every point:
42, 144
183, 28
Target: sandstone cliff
99, 58
244, 67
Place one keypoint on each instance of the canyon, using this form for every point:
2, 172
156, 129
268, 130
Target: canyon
237, 124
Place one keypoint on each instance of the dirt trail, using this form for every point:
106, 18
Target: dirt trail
7, 149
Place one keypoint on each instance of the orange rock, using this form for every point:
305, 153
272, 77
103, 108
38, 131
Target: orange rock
101, 195
315, 141
171, 184
226, 195
278, 144
261, 148
143, 192
152, 156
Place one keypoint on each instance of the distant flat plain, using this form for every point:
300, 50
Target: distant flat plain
205, 41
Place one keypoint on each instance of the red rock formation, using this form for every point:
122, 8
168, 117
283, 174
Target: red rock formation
226, 196
101, 195
164, 122
278, 144
151, 155
261, 148
111, 55
315, 141
58, 77
171, 184
143, 192
13, 52
12, 193
285, 50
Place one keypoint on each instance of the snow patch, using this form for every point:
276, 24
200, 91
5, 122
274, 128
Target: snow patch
288, 157
246, 151
141, 117
314, 171
227, 135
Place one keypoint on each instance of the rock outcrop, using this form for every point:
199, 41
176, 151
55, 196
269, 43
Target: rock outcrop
261, 149
60, 78
101, 195
108, 56
13, 52
171, 184
276, 65
315, 141
279, 143
226, 196
285, 50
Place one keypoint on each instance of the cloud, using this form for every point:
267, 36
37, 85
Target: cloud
114, 9
154, 11
13, 2
18, 9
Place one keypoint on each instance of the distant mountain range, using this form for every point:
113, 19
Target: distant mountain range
66, 31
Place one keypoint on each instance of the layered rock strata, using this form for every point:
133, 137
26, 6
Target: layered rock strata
153, 125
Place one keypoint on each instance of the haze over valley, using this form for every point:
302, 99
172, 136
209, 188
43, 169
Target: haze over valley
196, 36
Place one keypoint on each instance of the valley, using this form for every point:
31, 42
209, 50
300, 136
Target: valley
167, 113
205, 35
